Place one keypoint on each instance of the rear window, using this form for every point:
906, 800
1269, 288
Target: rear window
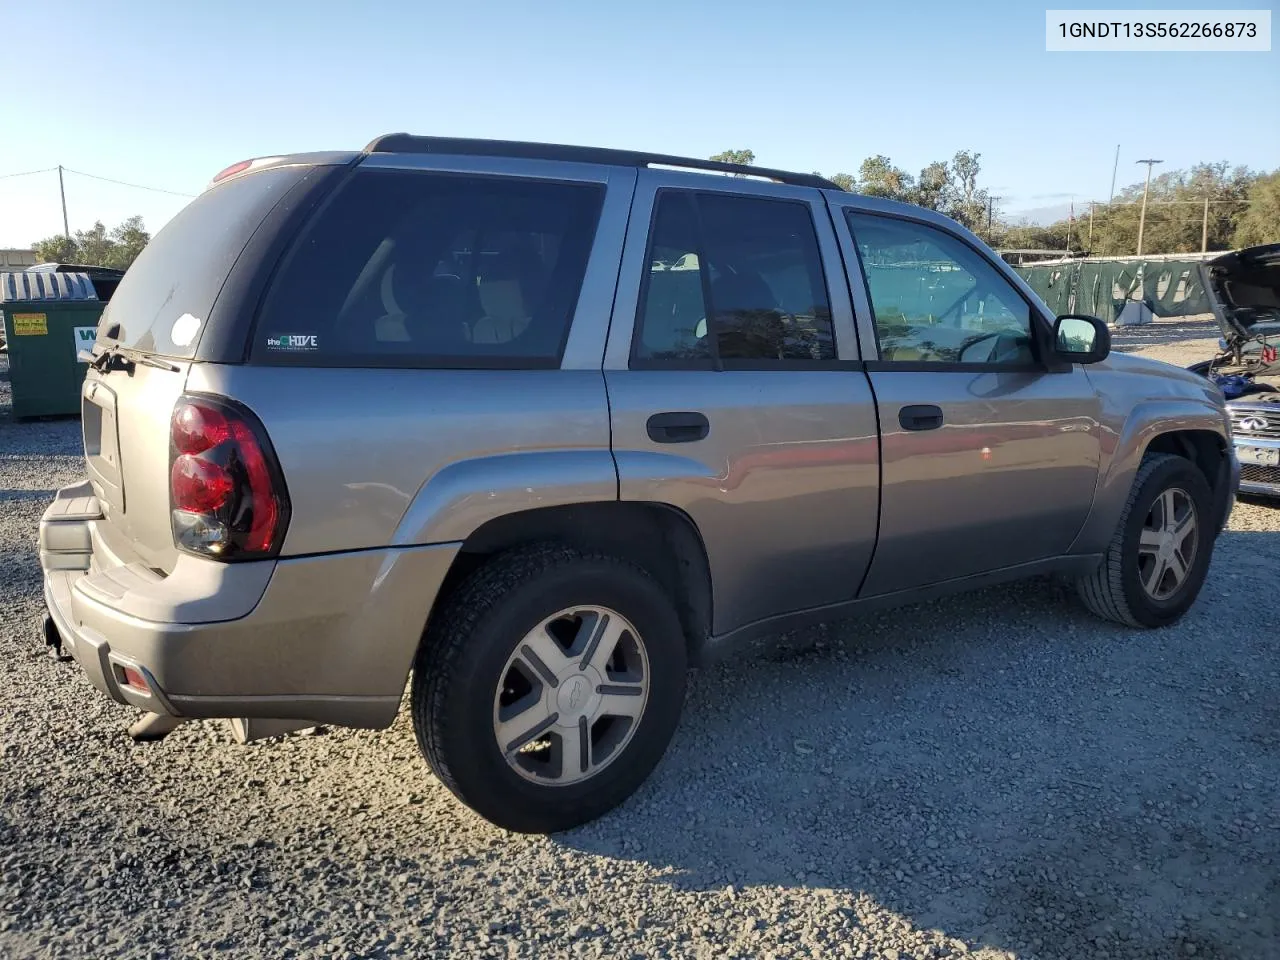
404, 269
166, 295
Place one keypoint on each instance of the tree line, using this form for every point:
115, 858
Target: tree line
1243, 210
97, 246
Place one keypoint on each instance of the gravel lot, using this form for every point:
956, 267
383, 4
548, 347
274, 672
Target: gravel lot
996, 775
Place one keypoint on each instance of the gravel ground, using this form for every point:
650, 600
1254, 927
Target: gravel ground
996, 775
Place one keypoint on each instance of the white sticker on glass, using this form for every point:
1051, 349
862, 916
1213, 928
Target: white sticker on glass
184, 330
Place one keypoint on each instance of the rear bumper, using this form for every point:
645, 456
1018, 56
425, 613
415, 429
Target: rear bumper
327, 639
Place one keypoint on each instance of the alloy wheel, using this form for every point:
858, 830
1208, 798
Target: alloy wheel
571, 695
1168, 543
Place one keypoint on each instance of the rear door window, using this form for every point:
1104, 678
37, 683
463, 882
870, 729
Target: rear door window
733, 281
168, 292
410, 269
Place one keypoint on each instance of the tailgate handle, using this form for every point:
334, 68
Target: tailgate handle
677, 427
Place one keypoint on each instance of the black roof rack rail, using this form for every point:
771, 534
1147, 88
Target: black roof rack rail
408, 143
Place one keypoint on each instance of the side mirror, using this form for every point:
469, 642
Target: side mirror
1080, 339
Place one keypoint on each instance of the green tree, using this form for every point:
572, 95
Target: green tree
58, 249
965, 200
744, 157
845, 181
933, 185
1260, 221
130, 237
94, 247
1030, 236
878, 177
950, 187
97, 246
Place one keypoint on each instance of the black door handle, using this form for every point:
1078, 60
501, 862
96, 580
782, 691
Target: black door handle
677, 427
920, 416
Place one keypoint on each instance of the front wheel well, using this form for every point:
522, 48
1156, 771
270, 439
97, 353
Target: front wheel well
1206, 449
661, 539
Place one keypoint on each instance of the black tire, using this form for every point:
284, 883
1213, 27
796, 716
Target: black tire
1114, 591
462, 658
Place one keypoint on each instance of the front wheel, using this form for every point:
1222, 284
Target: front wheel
548, 687
1159, 556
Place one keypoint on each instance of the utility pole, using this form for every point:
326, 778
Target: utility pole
1142, 217
1204, 227
1090, 224
66, 230
1114, 168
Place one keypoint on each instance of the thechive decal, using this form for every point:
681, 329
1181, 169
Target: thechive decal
294, 342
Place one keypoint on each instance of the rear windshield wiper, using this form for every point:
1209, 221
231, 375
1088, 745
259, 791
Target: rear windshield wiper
128, 359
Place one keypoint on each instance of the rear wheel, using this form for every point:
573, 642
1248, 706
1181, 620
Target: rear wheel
548, 686
1158, 558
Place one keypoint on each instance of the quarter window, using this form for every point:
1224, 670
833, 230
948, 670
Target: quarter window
734, 281
936, 299
423, 269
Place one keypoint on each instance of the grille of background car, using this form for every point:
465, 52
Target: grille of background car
1251, 473
1271, 419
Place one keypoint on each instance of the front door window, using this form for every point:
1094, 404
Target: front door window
936, 299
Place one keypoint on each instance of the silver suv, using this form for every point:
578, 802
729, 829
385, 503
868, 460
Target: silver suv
542, 426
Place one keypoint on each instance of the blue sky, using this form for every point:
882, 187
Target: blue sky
166, 94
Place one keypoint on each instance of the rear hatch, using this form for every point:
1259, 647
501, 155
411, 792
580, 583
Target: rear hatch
149, 336
1244, 292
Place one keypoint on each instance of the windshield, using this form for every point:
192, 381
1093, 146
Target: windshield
166, 295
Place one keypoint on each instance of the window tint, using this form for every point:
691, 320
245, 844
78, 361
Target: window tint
936, 299
674, 325
409, 269
166, 295
756, 263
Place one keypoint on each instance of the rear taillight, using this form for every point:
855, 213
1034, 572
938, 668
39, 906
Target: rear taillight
226, 495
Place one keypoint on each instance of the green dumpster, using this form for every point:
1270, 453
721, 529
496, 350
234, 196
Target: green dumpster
48, 319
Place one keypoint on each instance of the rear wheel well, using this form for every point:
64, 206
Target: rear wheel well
661, 539
1206, 449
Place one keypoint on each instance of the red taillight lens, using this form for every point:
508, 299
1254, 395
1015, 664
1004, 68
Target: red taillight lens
265, 514
197, 428
227, 496
199, 486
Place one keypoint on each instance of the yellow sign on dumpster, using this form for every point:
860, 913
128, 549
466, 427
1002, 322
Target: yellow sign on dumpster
30, 324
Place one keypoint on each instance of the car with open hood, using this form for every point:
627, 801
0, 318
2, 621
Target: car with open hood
1243, 287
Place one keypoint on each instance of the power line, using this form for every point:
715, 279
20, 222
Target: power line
136, 186
94, 176
60, 170
27, 173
